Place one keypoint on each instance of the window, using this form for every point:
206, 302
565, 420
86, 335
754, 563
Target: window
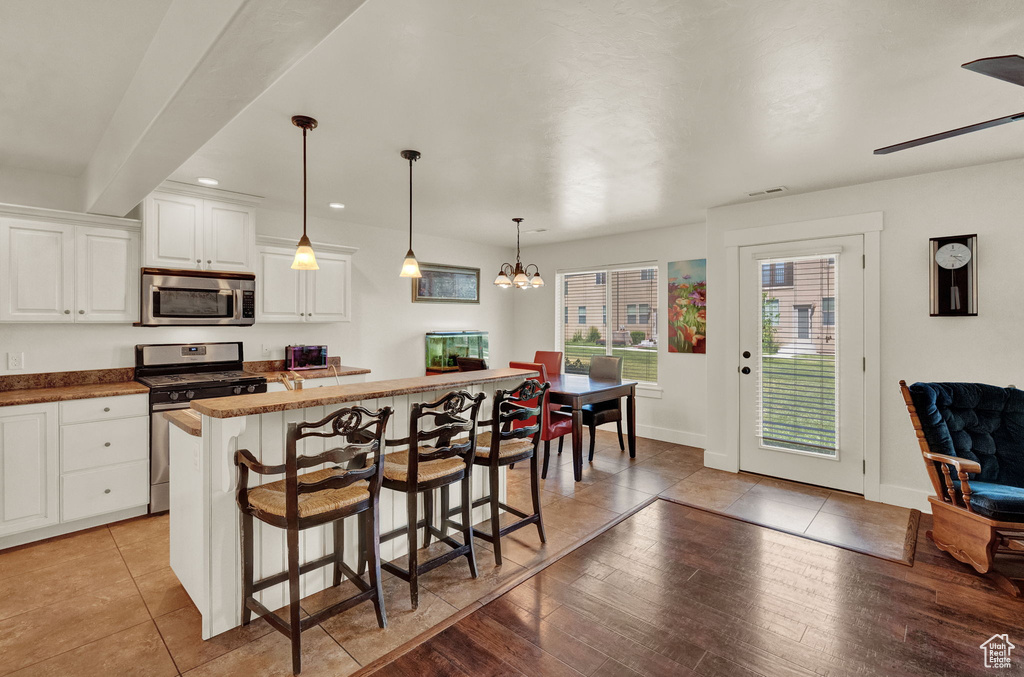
771, 311
628, 328
828, 311
777, 274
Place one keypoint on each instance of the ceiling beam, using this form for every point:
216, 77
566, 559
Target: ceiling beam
207, 62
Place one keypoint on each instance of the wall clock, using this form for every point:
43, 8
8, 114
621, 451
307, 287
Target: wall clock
953, 276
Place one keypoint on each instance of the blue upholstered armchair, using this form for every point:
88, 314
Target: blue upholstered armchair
972, 440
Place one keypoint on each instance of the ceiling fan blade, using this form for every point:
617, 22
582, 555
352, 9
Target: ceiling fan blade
1008, 68
950, 134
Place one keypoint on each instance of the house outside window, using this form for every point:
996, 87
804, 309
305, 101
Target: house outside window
777, 274
645, 313
604, 314
648, 274
771, 309
631, 313
600, 278
828, 311
581, 313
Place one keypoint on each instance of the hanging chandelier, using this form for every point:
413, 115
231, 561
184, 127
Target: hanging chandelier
518, 275
305, 259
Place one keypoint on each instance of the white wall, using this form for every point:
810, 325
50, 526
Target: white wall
385, 335
679, 415
986, 200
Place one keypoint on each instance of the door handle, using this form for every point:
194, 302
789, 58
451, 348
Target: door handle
745, 370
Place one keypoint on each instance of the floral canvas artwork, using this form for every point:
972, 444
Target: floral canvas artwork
687, 306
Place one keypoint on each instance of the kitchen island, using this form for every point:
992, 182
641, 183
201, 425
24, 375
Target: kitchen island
205, 549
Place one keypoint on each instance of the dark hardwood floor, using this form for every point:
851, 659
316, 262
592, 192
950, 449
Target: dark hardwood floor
678, 591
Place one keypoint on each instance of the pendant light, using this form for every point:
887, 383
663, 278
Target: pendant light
305, 259
518, 275
410, 267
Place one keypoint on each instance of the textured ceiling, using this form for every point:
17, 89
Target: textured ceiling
595, 117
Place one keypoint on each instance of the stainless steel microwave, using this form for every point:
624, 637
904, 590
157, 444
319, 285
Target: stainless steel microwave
197, 298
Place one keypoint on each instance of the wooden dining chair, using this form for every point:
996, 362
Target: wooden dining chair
604, 367
304, 500
440, 448
502, 445
556, 425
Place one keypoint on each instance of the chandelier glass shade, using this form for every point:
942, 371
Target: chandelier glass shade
410, 266
518, 275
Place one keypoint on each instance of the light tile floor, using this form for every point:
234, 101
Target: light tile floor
105, 601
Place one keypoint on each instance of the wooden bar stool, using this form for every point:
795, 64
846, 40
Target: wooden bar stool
301, 501
503, 445
449, 424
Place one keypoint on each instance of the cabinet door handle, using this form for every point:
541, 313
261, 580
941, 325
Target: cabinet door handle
106, 491
302, 314
81, 312
106, 408
106, 444
67, 312
209, 261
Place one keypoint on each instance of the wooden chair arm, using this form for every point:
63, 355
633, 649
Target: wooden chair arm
244, 457
961, 464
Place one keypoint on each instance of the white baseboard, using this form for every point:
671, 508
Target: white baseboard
719, 461
674, 436
69, 527
905, 497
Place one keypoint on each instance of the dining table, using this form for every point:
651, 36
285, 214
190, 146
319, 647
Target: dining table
577, 390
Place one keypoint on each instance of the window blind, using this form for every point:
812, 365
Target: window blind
797, 377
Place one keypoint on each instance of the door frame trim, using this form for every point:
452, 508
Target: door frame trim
869, 225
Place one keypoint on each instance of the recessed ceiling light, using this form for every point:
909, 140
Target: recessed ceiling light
206, 181
335, 205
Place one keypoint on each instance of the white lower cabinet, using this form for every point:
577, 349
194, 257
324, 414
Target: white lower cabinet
103, 490
69, 461
29, 473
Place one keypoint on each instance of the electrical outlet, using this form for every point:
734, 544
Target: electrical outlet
15, 360
266, 350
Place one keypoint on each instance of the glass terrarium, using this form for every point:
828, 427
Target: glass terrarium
444, 346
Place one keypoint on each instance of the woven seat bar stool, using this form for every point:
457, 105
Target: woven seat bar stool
503, 445
304, 500
441, 443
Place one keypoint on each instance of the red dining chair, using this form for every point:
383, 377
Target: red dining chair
557, 425
551, 359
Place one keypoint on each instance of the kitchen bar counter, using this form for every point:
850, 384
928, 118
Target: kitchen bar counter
186, 419
273, 370
205, 548
265, 403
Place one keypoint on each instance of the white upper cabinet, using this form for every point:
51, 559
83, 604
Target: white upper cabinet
281, 295
37, 271
329, 290
286, 295
29, 473
189, 228
173, 231
230, 232
106, 275
63, 272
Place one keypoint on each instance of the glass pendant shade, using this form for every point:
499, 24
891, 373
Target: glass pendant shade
520, 280
537, 280
305, 259
410, 267
502, 280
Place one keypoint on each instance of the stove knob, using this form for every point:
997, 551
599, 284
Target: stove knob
173, 396
251, 389
190, 394
237, 390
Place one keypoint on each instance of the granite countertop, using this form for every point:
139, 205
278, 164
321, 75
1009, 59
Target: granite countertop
68, 385
273, 370
188, 420
263, 403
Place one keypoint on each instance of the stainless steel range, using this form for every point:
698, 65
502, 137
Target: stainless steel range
176, 374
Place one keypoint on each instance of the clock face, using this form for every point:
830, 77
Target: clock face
953, 255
